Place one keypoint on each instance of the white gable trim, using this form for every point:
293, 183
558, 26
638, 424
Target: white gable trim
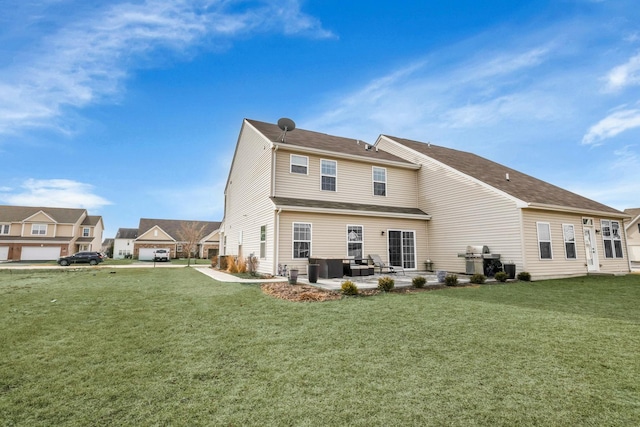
519, 203
155, 227
632, 222
36, 214
570, 209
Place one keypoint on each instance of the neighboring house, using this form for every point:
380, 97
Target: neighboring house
307, 194
632, 228
43, 234
124, 242
107, 247
168, 234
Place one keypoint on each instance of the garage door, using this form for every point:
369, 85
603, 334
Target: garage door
4, 253
39, 253
146, 254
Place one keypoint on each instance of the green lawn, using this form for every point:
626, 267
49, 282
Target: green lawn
172, 347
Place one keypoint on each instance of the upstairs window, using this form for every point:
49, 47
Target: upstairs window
38, 229
611, 238
379, 181
299, 164
544, 240
86, 232
569, 241
329, 172
4, 228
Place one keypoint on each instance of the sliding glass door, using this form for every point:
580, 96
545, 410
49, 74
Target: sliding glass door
402, 248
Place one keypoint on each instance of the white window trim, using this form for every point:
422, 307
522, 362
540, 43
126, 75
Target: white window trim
359, 241
293, 240
5, 229
574, 242
541, 241
374, 181
332, 176
612, 239
38, 233
263, 243
291, 164
88, 230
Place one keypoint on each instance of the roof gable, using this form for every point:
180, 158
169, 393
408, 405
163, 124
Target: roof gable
172, 227
317, 141
510, 181
23, 213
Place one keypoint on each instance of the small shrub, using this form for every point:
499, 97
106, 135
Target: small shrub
501, 276
242, 265
386, 283
478, 279
232, 265
419, 281
451, 280
524, 276
223, 263
349, 288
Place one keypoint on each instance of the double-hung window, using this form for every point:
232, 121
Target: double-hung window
38, 229
354, 241
379, 181
544, 240
263, 241
86, 232
301, 240
4, 228
299, 164
329, 173
569, 241
611, 238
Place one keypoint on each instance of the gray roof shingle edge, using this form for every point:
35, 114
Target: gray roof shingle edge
322, 141
20, 213
364, 208
520, 185
172, 226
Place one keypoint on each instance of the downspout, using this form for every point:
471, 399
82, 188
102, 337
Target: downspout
273, 171
276, 242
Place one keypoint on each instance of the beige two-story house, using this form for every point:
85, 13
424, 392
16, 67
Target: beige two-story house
43, 234
295, 195
305, 194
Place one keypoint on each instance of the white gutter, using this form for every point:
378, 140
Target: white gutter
273, 170
570, 209
355, 212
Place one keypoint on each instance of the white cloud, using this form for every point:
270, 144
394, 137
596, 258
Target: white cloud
86, 61
53, 193
611, 126
627, 74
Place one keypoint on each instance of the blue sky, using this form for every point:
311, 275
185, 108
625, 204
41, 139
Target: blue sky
132, 109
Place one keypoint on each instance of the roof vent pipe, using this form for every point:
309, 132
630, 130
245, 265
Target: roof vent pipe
507, 176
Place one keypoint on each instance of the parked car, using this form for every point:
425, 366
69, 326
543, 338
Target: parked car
91, 258
161, 255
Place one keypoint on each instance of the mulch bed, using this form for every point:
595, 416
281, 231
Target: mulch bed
306, 293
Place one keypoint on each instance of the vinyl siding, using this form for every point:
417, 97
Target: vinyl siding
247, 203
354, 182
463, 212
633, 240
559, 266
67, 231
329, 236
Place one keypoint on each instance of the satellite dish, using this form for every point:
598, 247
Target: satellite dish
286, 124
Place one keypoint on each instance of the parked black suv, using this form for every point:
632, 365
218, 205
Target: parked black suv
92, 258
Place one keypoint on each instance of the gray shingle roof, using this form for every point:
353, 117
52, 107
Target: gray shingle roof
172, 226
322, 141
519, 185
364, 208
60, 215
127, 233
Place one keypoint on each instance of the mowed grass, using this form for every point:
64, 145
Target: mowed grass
172, 347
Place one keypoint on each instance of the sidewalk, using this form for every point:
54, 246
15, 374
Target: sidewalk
230, 278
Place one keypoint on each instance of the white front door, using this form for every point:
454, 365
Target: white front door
590, 249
